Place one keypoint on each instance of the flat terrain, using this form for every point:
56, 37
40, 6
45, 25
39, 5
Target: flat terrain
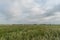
29, 32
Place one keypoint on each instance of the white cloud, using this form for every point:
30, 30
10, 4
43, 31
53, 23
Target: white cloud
37, 11
30, 11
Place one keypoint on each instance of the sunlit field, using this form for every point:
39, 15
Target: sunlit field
29, 32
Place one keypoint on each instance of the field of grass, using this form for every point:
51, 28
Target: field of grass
29, 32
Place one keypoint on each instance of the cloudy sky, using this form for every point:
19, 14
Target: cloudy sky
30, 11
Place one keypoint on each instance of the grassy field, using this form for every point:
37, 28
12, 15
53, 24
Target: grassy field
29, 32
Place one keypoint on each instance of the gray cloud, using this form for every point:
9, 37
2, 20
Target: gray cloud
30, 11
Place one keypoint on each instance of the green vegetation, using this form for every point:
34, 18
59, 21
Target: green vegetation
29, 32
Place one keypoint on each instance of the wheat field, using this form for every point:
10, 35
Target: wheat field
30, 32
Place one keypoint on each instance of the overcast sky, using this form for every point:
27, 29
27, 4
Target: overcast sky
30, 11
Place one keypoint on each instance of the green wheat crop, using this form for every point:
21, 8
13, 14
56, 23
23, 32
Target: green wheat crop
29, 32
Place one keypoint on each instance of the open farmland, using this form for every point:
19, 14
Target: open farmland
29, 32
